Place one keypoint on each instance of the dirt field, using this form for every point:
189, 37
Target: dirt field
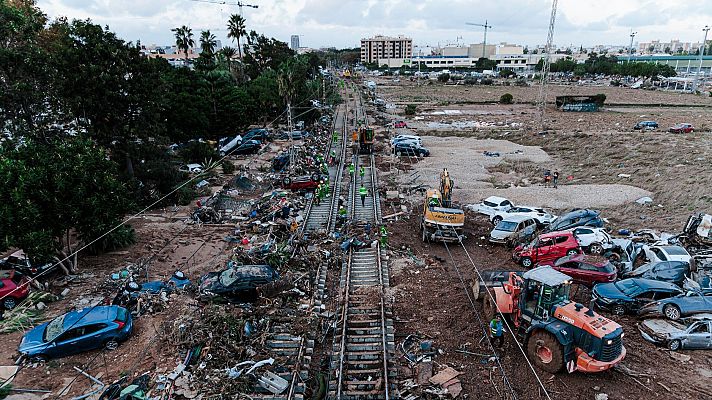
608, 167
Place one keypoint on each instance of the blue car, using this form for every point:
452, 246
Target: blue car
78, 331
629, 296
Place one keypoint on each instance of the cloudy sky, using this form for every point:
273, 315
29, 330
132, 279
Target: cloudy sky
342, 23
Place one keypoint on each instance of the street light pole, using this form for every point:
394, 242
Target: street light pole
630, 48
702, 53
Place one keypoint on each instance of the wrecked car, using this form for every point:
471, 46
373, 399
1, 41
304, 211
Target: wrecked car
177, 281
491, 205
575, 219
78, 331
236, 283
623, 253
666, 253
646, 126
307, 182
697, 233
692, 302
592, 240
509, 230
628, 296
14, 287
666, 271
690, 333
20, 262
540, 215
585, 269
681, 128
547, 247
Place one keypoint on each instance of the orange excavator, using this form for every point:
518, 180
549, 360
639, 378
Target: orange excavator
556, 332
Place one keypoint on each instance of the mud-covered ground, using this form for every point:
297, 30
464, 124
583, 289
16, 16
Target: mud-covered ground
429, 297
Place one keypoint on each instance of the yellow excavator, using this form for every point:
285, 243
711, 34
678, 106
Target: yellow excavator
441, 221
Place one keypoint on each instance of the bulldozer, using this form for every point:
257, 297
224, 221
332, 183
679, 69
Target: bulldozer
441, 220
556, 332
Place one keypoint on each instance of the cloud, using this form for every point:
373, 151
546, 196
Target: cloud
342, 23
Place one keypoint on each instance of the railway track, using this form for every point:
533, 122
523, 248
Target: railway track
364, 340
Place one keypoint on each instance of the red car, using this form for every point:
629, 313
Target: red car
400, 124
682, 128
9, 282
303, 182
585, 269
547, 247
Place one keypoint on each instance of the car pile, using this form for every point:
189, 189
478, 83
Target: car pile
665, 279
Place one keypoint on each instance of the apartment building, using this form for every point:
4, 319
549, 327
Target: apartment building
385, 47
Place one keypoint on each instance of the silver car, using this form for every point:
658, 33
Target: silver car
510, 229
694, 332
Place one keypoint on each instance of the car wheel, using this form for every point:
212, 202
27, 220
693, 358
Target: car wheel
315, 177
496, 220
9, 303
572, 252
671, 312
111, 344
398, 153
674, 345
526, 262
595, 249
286, 181
618, 310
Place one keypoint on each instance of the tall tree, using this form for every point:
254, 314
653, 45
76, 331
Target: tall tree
236, 29
57, 196
208, 42
184, 40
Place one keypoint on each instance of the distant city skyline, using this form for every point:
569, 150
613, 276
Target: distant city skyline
341, 24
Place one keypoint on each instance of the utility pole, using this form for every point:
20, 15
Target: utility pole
420, 59
630, 48
702, 53
541, 99
484, 42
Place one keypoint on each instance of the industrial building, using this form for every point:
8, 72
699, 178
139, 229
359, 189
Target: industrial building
380, 48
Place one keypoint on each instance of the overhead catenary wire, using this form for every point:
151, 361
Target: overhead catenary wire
504, 320
483, 325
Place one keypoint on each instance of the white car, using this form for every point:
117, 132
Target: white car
666, 253
410, 138
191, 168
491, 205
541, 216
227, 144
592, 240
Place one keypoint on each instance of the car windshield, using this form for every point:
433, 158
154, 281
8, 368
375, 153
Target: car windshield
629, 288
675, 251
54, 328
507, 226
229, 276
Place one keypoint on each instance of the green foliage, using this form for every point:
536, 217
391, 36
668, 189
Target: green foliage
443, 78
262, 54
228, 167
54, 187
186, 195
506, 98
411, 109
485, 64
506, 73
122, 237
196, 152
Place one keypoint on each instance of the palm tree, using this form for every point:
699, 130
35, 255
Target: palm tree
208, 43
229, 54
184, 40
236, 29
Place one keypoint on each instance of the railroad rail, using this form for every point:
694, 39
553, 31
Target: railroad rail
364, 341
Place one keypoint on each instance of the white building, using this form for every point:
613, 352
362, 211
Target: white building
380, 49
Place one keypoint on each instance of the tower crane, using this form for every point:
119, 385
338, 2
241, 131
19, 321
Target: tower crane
484, 42
541, 99
239, 3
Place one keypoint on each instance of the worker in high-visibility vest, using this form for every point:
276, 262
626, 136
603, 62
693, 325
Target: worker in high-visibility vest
362, 172
362, 191
384, 236
352, 170
335, 137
